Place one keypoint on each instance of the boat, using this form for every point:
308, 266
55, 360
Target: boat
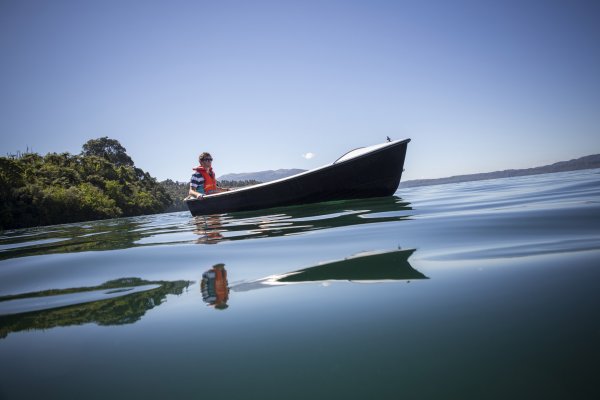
373, 171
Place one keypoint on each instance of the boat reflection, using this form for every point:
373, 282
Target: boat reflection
369, 267
117, 302
294, 220
162, 229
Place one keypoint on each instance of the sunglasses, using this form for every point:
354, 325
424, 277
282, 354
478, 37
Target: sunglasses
206, 159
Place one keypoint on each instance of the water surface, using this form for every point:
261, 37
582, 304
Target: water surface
474, 290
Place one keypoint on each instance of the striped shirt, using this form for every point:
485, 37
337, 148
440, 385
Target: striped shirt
197, 183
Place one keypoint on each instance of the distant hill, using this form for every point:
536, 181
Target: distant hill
587, 162
261, 176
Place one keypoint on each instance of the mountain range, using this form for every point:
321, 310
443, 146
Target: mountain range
587, 162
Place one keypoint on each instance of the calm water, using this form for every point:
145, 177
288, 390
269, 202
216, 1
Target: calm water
477, 290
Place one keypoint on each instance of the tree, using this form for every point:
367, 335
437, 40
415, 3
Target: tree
102, 182
109, 149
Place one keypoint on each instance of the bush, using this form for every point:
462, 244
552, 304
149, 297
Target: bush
100, 183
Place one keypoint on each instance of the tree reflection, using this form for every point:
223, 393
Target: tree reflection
130, 299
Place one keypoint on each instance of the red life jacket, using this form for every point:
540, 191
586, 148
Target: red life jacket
210, 183
221, 289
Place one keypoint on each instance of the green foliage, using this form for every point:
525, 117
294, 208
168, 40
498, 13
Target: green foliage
177, 191
100, 183
109, 149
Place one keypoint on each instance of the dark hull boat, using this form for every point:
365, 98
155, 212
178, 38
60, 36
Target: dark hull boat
373, 171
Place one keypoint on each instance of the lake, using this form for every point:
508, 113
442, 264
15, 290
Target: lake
487, 289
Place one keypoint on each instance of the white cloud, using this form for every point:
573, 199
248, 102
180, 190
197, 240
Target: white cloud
308, 155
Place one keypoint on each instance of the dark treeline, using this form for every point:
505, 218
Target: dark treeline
178, 191
100, 182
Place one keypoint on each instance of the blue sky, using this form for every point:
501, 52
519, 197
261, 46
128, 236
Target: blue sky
477, 85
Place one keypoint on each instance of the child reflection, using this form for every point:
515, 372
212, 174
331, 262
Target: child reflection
213, 286
209, 229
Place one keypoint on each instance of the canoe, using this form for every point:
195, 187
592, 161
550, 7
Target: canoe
373, 171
